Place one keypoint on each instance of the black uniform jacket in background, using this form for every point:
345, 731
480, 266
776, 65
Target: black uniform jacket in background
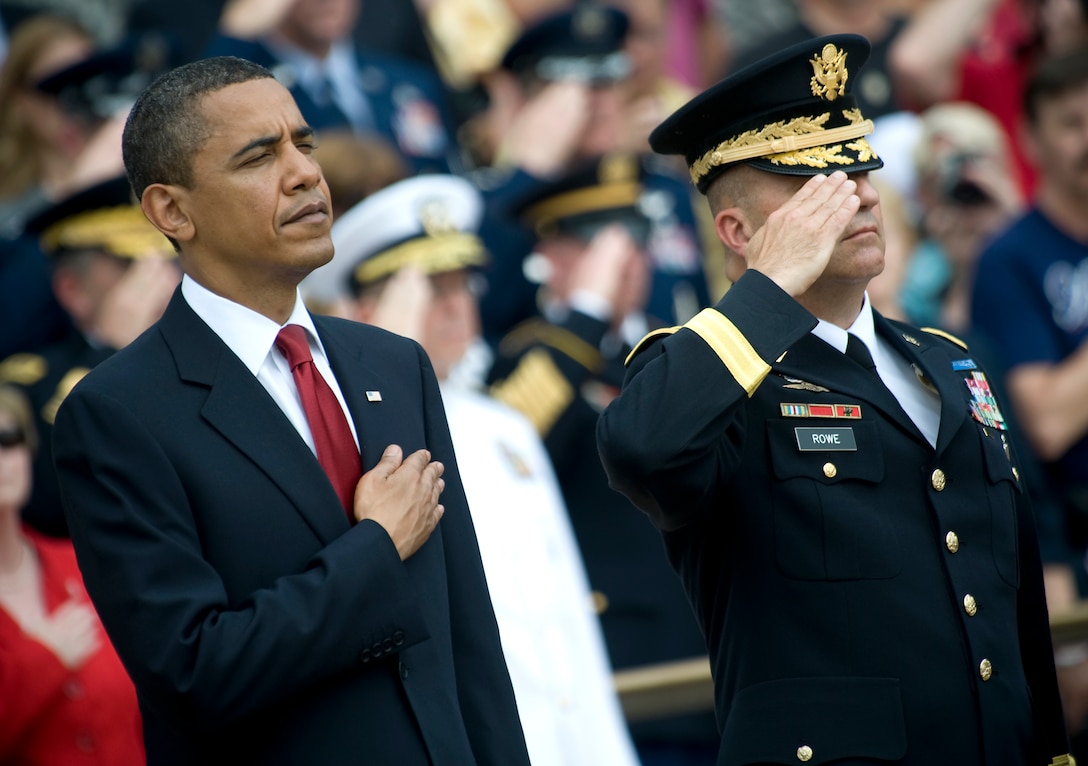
258, 626
878, 603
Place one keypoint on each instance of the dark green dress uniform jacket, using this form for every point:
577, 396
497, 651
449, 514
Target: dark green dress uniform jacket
875, 604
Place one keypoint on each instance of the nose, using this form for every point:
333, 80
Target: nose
866, 191
303, 172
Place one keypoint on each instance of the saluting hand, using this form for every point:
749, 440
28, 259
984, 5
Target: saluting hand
795, 244
401, 494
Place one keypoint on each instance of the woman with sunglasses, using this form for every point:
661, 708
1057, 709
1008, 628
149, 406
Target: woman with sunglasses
64, 696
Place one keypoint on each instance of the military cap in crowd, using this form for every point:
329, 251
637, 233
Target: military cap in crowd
107, 82
792, 113
101, 218
583, 44
427, 221
602, 191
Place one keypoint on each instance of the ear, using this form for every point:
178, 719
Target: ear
164, 205
734, 230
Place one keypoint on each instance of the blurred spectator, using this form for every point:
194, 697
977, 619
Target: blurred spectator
39, 139
64, 696
356, 166
1029, 302
561, 368
875, 93
408, 253
308, 46
983, 51
113, 273
749, 24
966, 193
698, 48
572, 64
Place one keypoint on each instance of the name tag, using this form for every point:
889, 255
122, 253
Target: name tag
826, 439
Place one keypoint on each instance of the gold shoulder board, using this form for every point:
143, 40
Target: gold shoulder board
946, 336
23, 369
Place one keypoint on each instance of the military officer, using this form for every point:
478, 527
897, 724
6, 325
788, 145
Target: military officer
561, 368
836, 491
112, 273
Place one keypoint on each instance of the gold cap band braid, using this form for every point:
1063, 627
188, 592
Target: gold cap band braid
587, 200
784, 142
123, 231
432, 255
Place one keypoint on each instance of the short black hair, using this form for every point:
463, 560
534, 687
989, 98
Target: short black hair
166, 126
1055, 76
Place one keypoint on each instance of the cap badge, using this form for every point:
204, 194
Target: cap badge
829, 73
589, 23
435, 217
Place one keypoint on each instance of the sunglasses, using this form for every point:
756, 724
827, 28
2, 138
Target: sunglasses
12, 437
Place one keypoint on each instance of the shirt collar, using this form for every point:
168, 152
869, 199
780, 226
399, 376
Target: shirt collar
863, 327
251, 336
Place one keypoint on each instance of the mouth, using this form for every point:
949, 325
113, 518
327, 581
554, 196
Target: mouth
858, 233
313, 212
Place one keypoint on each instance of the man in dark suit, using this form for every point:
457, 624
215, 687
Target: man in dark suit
836, 490
270, 611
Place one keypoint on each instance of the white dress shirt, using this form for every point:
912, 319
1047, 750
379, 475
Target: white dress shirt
252, 338
921, 404
551, 637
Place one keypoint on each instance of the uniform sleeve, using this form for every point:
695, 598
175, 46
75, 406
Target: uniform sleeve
197, 658
677, 430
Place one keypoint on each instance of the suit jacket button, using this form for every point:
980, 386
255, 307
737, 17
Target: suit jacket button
376, 649
952, 542
398, 638
387, 645
364, 656
804, 753
969, 605
938, 480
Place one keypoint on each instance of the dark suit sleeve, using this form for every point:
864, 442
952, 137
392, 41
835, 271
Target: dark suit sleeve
483, 682
661, 440
198, 659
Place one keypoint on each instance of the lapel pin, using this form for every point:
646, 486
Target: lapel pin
373, 396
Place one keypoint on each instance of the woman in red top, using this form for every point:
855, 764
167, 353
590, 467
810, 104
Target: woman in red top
65, 699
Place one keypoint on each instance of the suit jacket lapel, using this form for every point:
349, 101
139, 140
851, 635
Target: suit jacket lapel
239, 407
931, 357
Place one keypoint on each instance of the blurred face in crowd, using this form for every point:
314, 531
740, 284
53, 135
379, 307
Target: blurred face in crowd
14, 463
314, 25
1058, 142
256, 220
42, 113
452, 320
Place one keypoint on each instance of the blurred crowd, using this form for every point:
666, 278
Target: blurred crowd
579, 242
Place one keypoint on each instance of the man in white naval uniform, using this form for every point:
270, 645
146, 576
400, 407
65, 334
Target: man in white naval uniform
404, 257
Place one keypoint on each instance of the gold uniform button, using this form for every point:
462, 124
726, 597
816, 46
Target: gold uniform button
969, 605
830, 470
804, 753
985, 670
952, 542
938, 480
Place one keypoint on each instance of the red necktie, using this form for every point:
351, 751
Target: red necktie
336, 450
